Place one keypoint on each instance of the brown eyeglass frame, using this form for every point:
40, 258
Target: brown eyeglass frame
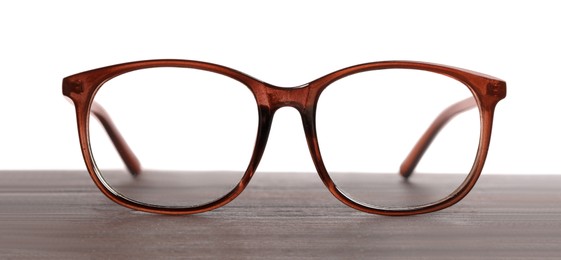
487, 92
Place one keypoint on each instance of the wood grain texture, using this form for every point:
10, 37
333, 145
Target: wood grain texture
61, 214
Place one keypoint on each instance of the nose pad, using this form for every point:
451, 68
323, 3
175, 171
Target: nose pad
287, 149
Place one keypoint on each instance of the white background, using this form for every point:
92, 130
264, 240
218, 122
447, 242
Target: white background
286, 43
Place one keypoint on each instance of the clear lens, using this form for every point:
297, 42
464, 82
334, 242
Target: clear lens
368, 123
193, 132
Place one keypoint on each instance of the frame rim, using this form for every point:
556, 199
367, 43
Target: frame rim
487, 91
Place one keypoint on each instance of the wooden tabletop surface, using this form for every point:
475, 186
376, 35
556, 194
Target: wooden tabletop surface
61, 214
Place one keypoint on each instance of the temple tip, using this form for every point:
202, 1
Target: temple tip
405, 172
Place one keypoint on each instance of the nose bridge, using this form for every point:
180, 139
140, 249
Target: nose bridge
292, 97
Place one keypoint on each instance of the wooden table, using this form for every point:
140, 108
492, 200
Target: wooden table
61, 214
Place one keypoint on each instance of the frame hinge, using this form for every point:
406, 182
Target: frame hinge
496, 89
73, 86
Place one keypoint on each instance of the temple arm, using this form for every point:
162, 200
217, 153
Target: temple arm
416, 154
130, 160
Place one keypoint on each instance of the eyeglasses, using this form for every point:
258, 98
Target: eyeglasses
200, 130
